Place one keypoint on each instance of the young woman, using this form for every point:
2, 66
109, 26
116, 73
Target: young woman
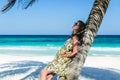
64, 56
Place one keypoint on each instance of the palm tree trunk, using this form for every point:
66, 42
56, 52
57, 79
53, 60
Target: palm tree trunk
92, 25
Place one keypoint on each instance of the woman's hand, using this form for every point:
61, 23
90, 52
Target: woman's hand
65, 55
68, 55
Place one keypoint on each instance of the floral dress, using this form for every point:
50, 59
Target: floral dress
59, 64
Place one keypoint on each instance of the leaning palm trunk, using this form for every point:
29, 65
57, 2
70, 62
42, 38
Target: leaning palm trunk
92, 25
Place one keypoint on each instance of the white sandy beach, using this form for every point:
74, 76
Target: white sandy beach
13, 67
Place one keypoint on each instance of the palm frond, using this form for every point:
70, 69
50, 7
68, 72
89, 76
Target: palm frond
29, 4
9, 5
23, 3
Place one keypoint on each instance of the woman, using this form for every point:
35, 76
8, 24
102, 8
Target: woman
64, 56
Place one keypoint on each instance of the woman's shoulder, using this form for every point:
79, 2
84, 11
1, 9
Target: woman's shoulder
75, 40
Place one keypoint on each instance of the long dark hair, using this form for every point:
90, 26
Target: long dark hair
80, 31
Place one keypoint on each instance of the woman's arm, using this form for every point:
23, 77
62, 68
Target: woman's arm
75, 48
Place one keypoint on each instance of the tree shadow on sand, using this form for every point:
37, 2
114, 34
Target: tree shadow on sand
100, 74
29, 70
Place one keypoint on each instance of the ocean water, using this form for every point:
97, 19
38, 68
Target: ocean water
103, 45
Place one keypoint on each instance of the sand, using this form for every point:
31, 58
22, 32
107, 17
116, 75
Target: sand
14, 67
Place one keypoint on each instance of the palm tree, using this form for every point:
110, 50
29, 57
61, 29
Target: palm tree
92, 26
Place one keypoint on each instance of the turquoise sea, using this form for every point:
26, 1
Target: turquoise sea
103, 45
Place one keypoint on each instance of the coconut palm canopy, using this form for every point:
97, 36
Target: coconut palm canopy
24, 3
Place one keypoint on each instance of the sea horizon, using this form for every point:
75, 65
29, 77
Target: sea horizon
53, 34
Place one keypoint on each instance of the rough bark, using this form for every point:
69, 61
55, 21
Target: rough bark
92, 25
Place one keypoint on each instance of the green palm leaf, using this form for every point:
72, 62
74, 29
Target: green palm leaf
9, 5
30, 2
24, 4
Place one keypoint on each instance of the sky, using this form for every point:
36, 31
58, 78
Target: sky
56, 17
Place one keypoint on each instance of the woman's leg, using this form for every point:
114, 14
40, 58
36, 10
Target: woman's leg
44, 73
50, 76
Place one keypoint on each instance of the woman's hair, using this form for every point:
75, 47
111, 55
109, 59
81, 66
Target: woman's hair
80, 31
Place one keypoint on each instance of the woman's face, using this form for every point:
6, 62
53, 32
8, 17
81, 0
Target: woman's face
75, 27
